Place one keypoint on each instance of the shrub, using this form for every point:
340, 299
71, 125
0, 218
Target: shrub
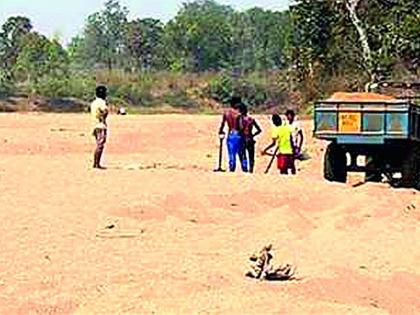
179, 99
6, 86
132, 93
257, 90
77, 86
220, 88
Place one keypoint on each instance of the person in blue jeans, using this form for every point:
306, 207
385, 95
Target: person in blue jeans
234, 139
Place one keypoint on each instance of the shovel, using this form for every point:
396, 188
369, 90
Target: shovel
271, 161
220, 169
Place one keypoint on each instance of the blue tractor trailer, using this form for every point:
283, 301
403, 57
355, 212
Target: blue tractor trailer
383, 130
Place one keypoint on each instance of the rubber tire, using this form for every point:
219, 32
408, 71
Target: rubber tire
335, 164
410, 167
374, 176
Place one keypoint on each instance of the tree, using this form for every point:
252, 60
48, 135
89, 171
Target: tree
77, 52
144, 43
313, 23
199, 37
16, 27
40, 57
395, 34
352, 6
102, 42
114, 20
12, 32
388, 32
261, 39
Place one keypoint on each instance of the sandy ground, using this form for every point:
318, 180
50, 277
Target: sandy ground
182, 234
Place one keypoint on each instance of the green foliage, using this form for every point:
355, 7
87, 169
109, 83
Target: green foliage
203, 36
102, 42
179, 99
313, 22
198, 38
260, 39
132, 93
6, 85
15, 28
144, 44
258, 90
11, 35
327, 50
39, 57
76, 86
29, 57
394, 34
221, 88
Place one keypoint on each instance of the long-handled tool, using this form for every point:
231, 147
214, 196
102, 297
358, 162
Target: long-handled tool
221, 138
271, 161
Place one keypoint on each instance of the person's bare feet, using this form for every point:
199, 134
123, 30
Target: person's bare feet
99, 167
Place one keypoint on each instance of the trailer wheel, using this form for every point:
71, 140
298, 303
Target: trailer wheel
411, 167
335, 164
373, 175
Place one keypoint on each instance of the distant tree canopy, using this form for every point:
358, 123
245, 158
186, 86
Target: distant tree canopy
369, 38
203, 36
310, 45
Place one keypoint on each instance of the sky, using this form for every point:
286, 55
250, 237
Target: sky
65, 18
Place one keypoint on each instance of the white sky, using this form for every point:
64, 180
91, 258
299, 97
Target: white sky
66, 17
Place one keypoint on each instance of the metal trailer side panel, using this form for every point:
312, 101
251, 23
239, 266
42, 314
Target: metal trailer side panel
415, 122
364, 122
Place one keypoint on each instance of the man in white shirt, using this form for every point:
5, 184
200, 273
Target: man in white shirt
99, 113
297, 132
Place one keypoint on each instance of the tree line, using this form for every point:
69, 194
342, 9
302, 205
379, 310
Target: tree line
295, 55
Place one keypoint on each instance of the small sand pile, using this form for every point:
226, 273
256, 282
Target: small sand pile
344, 96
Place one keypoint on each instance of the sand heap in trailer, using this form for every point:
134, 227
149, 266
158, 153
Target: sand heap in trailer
345, 96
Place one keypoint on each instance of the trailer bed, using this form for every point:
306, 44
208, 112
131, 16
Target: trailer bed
367, 122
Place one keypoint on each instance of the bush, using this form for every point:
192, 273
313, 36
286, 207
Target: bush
262, 91
220, 88
77, 86
6, 86
179, 99
257, 90
131, 93
52, 87
82, 86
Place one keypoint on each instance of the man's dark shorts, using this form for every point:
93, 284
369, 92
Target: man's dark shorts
100, 137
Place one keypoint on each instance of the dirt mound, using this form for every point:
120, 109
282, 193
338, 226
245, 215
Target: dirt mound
344, 96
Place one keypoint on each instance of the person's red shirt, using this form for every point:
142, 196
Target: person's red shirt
247, 124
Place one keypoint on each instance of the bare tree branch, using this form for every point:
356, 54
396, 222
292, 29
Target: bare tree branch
351, 6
